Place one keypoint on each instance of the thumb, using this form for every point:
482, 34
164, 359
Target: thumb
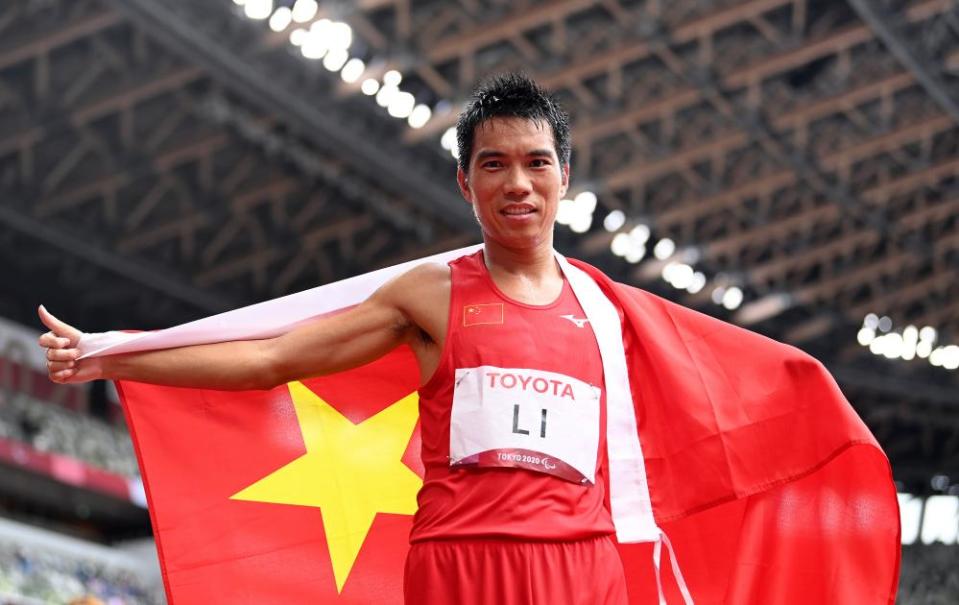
58, 327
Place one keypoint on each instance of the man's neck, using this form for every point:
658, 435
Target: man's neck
530, 275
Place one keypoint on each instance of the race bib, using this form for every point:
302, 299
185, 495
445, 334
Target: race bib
520, 418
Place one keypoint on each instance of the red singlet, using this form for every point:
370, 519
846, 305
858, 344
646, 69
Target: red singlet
486, 328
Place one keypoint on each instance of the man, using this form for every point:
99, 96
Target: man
524, 527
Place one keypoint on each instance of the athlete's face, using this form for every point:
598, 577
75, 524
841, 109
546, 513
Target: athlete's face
515, 181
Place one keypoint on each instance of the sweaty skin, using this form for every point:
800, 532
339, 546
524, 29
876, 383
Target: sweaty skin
514, 183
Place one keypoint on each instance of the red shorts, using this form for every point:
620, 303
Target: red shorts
508, 572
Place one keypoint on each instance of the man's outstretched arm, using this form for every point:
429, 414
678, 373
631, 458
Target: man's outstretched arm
349, 339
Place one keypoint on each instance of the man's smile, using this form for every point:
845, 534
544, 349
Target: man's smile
518, 210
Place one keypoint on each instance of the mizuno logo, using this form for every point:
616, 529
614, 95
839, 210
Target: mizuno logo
579, 321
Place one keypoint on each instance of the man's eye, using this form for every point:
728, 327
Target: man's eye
538, 163
492, 164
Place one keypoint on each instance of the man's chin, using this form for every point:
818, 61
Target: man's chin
515, 241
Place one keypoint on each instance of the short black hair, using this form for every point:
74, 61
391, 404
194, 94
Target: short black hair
511, 95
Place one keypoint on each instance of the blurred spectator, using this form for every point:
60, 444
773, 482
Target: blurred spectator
51, 428
46, 577
86, 600
930, 575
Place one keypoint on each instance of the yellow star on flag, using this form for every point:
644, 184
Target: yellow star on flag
350, 471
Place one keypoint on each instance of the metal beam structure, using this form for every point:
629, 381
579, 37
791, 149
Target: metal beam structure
180, 32
150, 277
881, 21
123, 155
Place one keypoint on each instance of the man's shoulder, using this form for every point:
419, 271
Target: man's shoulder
426, 274
422, 294
425, 282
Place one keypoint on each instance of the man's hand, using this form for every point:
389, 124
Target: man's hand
62, 352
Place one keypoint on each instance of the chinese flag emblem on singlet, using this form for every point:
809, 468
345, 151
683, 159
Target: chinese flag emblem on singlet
487, 313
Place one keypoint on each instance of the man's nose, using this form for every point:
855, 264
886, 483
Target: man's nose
518, 182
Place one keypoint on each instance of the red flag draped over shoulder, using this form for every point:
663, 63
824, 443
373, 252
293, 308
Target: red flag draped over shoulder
768, 485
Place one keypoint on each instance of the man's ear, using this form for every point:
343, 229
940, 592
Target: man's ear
565, 183
463, 181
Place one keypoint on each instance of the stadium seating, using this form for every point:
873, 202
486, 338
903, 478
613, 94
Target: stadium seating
52, 428
930, 575
30, 575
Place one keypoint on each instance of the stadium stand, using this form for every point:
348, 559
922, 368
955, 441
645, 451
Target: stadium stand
70, 495
930, 575
43, 567
51, 428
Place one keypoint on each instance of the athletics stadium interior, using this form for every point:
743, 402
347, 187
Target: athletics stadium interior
787, 165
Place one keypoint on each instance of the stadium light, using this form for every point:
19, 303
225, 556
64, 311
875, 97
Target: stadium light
951, 357
319, 31
910, 515
401, 105
340, 35
697, 284
298, 36
577, 213
581, 222
893, 345
763, 308
639, 234
732, 298
878, 335
352, 71
281, 19
258, 9
304, 10
330, 42
315, 44
370, 87
678, 275
664, 248
392, 78
635, 254
614, 220
448, 140
585, 201
620, 244
335, 59
910, 342
385, 95
565, 211
420, 116
631, 246
941, 520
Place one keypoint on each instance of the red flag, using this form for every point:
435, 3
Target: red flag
768, 485
240, 512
